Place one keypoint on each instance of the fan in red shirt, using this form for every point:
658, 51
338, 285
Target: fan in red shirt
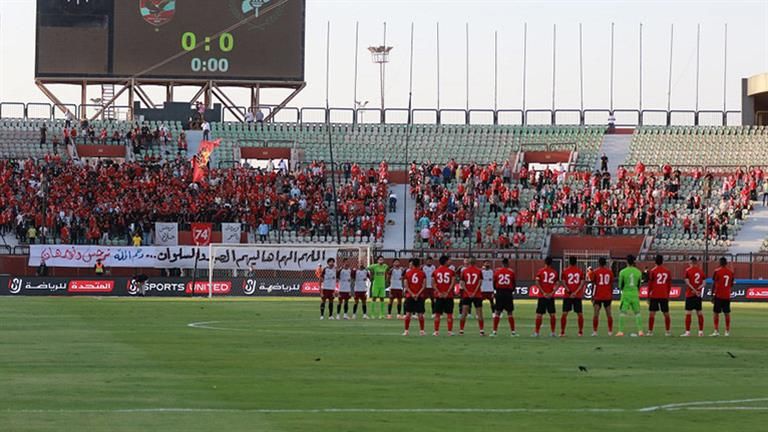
443, 279
415, 281
603, 295
659, 285
546, 278
721, 297
694, 282
471, 277
505, 284
573, 281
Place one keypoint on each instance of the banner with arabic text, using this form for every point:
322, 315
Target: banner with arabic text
287, 258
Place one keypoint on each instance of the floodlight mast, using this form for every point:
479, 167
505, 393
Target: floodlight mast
380, 56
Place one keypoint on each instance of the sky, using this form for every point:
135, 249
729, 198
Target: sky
747, 53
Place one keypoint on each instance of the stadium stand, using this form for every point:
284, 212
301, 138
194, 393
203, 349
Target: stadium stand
711, 146
455, 205
372, 143
481, 184
151, 140
54, 201
521, 212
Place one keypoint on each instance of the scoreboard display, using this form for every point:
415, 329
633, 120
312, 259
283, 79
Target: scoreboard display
171, 39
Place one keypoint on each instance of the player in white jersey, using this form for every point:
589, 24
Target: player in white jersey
486, 287
361, 277
327, 276
395, 276
345, 288
429, 291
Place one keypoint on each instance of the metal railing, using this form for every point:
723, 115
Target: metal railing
480, 116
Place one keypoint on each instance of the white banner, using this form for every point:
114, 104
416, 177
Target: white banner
243, 258
230, 232
166, 234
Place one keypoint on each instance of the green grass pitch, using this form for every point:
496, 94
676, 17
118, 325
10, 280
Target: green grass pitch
87, 364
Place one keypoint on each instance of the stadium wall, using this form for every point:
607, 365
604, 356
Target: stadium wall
619, 245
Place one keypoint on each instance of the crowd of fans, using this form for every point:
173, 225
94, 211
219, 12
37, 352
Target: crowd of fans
450, 197
71, 202
140, 137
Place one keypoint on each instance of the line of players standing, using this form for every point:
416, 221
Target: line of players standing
418, 283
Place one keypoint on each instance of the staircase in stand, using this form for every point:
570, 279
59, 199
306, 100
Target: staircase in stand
107, 93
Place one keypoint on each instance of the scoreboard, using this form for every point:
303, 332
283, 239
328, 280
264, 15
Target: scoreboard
171, 39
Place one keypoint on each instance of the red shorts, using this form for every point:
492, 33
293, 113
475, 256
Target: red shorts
345, 295
361, 295
395, 293
327, 294
487, 296
428, 293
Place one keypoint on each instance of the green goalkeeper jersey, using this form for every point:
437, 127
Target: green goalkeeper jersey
629, 282
378, 275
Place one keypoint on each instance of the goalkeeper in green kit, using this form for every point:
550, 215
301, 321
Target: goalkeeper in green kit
629, 284
378, 285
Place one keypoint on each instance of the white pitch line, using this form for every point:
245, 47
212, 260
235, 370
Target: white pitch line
687, 406
207, 326
691, 405
708, 408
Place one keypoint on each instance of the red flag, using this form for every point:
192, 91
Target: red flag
201, 233
200, 160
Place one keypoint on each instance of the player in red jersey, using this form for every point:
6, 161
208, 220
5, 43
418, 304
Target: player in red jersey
415, 282
444, 279
573, 281
659, 285
505, 284
694, 282
603, 295
546, 279
471, 277
721, 296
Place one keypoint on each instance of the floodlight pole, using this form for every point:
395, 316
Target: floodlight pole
495, 76
640, 92
330, 134
438, 71
669, 82
380, 56
725, 75
554, 71
327, 71
581, 78
407, 139
354, 92
525, 66
698, 66
612, 59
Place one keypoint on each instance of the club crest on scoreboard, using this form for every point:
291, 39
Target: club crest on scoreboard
256, 14
157, 12
252, 6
